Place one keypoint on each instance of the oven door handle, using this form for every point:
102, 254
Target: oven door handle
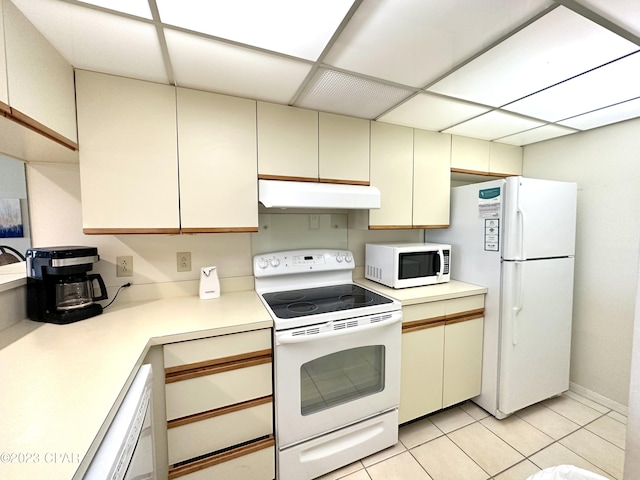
288, 337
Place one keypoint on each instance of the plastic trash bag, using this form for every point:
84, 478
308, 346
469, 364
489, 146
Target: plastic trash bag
565, 472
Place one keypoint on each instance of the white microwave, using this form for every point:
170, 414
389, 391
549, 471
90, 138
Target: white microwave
402, 265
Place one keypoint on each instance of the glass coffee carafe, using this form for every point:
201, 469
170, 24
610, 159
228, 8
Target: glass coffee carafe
77, 291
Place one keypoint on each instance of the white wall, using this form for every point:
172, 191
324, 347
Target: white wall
632, 450
604, 163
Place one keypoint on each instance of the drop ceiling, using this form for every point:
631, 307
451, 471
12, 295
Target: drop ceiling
511, 71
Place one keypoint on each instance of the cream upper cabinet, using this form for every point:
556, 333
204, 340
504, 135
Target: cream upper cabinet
431, 179
505, 159
287, 142
217, 153
128, 159
392, 174
343, 149
471, 155
39, 80
4, 90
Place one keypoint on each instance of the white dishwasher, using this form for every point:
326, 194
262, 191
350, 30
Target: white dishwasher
126, 452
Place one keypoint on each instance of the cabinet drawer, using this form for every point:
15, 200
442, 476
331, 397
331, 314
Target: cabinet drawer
209, 392
251, 462
220, 347
230, 426
422, 311
464, 304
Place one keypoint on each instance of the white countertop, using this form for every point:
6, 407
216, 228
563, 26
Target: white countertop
60, 382
430, 293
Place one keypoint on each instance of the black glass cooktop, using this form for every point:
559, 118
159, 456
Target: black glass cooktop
314, 301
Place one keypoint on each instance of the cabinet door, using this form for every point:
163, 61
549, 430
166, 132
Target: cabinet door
470, 154
421, 377
462, 361
128, 160
392, 174
431, 179
287, 142
343, 149
505, 159
4, 92
217, 153
40, 81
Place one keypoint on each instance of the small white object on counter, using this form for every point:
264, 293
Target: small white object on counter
209, 283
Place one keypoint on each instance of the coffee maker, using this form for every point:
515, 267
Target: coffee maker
59, 289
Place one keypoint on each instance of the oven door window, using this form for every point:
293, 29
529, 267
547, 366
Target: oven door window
341, 377
418, 265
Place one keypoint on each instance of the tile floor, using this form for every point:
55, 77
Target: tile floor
466, 443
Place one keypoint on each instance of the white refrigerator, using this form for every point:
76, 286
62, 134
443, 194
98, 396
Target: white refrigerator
516, 236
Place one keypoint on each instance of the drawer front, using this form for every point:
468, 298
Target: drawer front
423, 311
212, 434
223, 346
257, 465
200, 394
464, 304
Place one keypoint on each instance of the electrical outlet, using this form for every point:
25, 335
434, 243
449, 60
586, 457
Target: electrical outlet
184, 261
124, 266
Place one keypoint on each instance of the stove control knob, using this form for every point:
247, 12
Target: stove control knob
339, 258
262, 263
348, 258
274, 262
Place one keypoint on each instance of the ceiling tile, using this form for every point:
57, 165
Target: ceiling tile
604, 86
94, 40
206, 64
605, 116
336, 92
432, 112
300, 29
492, 125
622, 12
558, 46
534, 135
139, 8
415, 42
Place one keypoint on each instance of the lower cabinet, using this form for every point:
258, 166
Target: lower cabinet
220, 407
441, 355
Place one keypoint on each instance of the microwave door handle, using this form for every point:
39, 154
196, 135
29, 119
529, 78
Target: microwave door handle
287, 339
441, 266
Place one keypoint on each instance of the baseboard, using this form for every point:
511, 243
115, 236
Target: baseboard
596, 397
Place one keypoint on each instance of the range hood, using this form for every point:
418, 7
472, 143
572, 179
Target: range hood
285, 194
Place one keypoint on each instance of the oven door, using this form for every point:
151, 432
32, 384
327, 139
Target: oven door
335, 374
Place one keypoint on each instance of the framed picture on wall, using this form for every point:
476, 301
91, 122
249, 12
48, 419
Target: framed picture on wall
10, 218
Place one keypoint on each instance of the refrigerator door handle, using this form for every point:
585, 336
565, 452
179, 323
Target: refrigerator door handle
519, 302
522, 216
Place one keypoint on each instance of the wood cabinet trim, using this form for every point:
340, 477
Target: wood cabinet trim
390, 227
202, 369
198, 417
32, 124
176, 472
131, 231
219, 230
422, 324
422, 227
464, 316
484, 174
344, 182
170, 371
287, 178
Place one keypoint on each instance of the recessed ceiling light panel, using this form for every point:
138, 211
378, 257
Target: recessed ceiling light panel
558, 46
337, 92
605, 116
432, 112
546, 132
213, 66
292, 27
492, 125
